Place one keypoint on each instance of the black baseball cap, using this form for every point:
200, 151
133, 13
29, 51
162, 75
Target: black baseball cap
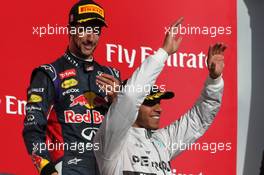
156, 95
87, 11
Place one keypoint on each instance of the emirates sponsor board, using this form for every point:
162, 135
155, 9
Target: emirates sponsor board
135, 30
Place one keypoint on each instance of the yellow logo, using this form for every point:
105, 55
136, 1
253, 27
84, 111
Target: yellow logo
154, 96
34, 98
91, 8
39, 161
90, 96
69, 83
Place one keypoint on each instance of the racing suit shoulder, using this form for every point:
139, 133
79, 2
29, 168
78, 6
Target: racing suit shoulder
51, 69
52, 72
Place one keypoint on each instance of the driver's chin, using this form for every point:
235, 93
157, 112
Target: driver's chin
87, 52
153, 126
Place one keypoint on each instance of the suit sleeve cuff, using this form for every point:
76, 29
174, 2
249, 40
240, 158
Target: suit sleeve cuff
48, 169
215, 84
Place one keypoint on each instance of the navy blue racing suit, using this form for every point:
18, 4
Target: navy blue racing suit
64, 110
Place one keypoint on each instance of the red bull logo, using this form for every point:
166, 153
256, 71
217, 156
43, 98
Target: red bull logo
89, 99
72, 117
80, 100
39, 161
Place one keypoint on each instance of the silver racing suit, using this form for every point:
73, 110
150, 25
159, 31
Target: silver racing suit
127, 150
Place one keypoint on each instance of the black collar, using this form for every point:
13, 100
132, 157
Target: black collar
75, 61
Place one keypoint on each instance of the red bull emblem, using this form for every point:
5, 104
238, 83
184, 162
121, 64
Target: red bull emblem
36, 160
89, 99
88, 117
39, 162
80, 100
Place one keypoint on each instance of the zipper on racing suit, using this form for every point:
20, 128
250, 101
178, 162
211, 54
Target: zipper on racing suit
150, 138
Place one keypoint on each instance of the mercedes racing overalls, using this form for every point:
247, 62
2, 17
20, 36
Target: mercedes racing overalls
127, 150
64, 110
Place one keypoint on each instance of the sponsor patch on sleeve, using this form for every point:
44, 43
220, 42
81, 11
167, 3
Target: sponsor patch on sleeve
35, 98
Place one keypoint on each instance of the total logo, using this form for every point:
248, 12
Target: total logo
67, 74
88, 117
89, 99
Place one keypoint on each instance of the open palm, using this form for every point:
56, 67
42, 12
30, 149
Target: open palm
215, 60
